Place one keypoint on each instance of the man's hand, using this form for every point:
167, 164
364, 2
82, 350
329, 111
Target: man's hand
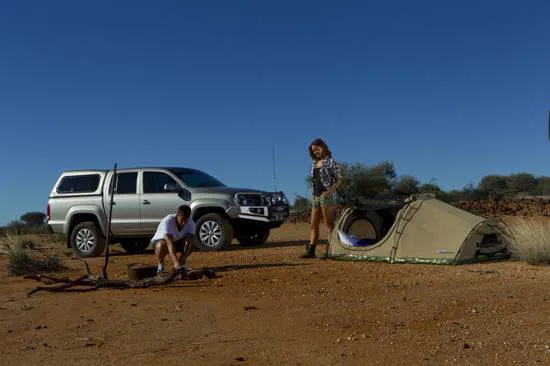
171, 250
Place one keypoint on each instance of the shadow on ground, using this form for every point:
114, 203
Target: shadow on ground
117, 252
238, 267
276, 244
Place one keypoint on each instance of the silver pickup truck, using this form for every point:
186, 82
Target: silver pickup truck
79, 202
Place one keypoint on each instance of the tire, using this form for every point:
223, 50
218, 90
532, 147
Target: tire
87, 240
253, 240
214, 232
134, 246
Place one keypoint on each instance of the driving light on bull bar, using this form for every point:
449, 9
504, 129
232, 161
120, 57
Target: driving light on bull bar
241, 201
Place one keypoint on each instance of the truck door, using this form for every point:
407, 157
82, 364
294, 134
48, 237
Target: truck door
155, 202
126, 216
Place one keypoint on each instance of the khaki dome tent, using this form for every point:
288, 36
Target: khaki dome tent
420, 229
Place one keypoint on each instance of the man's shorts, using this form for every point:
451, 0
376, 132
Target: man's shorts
178, 245
323, 201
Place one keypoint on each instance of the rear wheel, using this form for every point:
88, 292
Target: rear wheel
134, 246
255, 239
214, 232
87, 240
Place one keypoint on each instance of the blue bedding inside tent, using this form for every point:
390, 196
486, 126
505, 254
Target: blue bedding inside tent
355, 241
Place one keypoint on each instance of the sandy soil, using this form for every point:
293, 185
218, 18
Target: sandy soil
268, 307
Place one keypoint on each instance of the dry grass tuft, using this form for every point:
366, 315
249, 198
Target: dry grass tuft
528, 239
20, 261
14, 241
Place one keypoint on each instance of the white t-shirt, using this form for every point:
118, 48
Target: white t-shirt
168, 226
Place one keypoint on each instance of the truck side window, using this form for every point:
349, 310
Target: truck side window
153, 182
79, 184
127, 183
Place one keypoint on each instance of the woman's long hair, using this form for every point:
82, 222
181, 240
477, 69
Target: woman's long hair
321, 143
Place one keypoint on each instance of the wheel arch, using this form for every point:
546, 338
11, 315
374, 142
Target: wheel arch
200, 211
78, 218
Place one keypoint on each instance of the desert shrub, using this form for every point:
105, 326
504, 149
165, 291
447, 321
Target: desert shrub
543, 186
301, 204
59, 237
406, 185
20, 228
494, 186
366, 181
429, 188
523, 182
471, 193
21, 262
528, 239
20, 241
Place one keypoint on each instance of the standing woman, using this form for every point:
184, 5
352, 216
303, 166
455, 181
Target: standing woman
326, 178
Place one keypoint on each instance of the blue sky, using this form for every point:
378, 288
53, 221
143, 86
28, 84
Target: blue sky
451, 90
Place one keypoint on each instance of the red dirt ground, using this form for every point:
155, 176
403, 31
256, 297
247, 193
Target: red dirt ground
268, 307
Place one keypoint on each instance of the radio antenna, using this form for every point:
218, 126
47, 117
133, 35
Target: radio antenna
274, 177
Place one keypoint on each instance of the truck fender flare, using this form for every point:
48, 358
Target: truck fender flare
86, 209
214, 206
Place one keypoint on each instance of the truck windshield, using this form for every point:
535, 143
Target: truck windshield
196, 179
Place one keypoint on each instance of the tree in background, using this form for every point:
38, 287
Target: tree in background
494, 186
430, 188
543, 186
301, 203
16, 227
472, 193
359, 180
407, 185
453, 195
34, 218
523, 182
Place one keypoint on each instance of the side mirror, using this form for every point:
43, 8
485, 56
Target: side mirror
172, 188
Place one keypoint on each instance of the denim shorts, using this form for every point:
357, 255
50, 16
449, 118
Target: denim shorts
323, 201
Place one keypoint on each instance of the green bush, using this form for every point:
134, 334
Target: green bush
365, 181
407, 185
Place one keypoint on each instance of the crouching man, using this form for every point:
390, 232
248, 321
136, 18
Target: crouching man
175, 233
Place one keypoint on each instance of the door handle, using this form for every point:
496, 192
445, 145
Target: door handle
146, 202
112, 203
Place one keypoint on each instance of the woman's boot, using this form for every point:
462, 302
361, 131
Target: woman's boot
310, 251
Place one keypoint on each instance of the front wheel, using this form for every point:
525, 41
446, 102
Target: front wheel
255, 239
87, 240
214, 232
